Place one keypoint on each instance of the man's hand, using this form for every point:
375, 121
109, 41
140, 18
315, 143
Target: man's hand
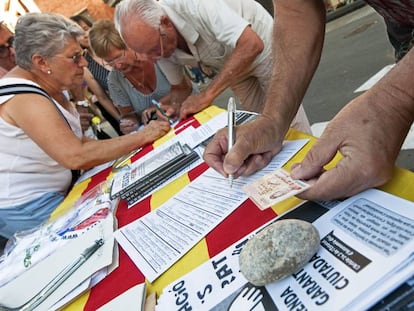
178, 95
256, 143
368, 136
193, 104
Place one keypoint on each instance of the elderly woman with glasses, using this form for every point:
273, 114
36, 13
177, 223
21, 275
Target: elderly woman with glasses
134, 83
7, 61
40, 135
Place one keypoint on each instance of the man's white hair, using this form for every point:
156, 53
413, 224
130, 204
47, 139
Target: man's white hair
146, 11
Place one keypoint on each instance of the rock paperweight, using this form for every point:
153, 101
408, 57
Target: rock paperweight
278, 251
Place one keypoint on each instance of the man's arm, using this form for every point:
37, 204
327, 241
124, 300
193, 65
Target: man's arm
298, 32
368, 132
248, 47
298, 35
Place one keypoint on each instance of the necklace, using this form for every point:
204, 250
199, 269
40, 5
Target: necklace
139, 83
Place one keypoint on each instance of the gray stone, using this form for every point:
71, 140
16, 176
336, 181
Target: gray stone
278, 251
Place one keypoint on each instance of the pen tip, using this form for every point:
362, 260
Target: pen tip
230, 181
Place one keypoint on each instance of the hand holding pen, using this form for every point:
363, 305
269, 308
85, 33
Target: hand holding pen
161, 111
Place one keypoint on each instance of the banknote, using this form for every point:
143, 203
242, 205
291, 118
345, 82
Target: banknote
273, 188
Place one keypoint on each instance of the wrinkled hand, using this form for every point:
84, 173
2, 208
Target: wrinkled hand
155, 129
193, 104
256, 143
85, 120
147, 114
368, 138
128, 124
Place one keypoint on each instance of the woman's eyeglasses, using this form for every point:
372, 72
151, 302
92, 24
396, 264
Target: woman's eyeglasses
115, 60
5, 48
76, 59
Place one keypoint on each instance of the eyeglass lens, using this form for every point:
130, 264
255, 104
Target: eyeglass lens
78, 57
112, 62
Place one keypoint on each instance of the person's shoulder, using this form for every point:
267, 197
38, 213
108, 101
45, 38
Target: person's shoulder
15, 80
181, 6
115, 75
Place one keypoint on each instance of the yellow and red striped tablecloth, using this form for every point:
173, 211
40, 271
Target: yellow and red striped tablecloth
241, 222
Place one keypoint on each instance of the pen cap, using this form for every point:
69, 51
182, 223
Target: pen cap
231, 105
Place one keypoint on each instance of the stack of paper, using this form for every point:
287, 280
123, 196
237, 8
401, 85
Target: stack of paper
58, 259
144, 176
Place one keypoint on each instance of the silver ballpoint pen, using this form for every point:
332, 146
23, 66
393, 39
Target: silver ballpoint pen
61, 277
231, 112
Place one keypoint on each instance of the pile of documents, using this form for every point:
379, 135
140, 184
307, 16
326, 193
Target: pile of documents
147, 174
52, 264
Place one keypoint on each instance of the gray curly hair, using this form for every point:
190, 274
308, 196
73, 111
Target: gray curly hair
45, 34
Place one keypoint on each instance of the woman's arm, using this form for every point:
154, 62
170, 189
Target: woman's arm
41, 121
103, 98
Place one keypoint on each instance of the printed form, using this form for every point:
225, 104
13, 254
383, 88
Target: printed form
157, 240
366, 251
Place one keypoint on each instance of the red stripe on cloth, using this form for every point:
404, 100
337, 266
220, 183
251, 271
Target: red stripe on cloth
123, 278
245, 219
127, 274
197, 171
125, 215
97, 179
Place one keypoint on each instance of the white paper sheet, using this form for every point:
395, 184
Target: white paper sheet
366, 251
157, 240
23, 288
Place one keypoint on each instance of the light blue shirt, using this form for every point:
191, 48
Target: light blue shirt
124, 94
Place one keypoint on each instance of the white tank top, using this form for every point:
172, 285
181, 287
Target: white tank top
26, 171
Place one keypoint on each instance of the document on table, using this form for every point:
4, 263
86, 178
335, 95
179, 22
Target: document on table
366, 251
157, 240
56, 271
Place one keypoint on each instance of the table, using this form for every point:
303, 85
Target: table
228, 232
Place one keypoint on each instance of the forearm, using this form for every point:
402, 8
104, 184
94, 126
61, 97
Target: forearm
124, 111
95, 152
298, 33
166, 100
109, 106
101, 95
398, 87
392, 99
248, 47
